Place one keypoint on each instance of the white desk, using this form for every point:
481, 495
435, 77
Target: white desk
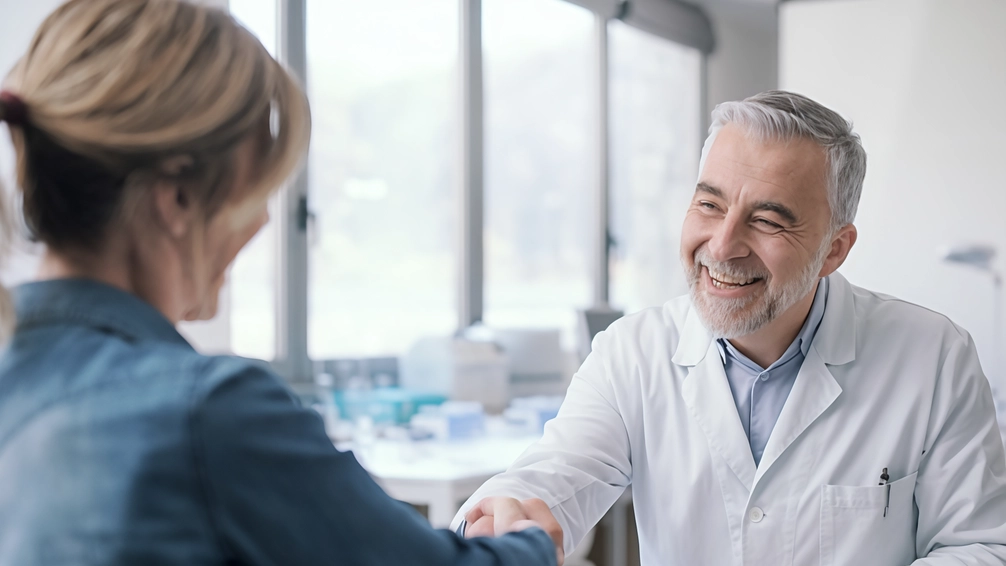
439, 475
442, 475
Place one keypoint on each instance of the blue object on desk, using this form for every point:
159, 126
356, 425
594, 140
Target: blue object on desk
454, 420
391, 405
465, 425
531, 413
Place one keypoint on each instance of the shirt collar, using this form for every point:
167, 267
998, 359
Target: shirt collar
800, 344
88, 302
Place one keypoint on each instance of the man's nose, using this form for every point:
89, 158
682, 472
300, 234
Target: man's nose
729, 240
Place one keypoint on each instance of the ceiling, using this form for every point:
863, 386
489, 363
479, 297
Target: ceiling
756, 13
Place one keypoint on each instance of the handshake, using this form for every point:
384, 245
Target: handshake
495, 516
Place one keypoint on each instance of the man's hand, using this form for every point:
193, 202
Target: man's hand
499, 515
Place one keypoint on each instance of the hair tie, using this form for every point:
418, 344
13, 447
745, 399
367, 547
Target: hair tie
15, 112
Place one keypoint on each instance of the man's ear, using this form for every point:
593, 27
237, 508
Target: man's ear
173, 207
841, 244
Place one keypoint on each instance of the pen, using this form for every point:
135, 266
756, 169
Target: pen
884, 481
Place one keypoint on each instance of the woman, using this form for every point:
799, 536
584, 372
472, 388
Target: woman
149, 135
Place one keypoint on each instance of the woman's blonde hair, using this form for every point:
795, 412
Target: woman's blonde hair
113, 90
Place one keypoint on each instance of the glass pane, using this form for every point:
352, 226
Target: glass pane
655, 145
259, 16
383, 174
253, 275
539, 163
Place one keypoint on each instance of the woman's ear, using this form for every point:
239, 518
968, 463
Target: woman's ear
173, 207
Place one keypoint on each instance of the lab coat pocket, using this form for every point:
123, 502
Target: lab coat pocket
854, 530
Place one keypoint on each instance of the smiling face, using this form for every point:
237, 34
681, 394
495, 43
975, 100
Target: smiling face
757, 235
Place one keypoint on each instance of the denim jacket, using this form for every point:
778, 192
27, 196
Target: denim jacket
120, 444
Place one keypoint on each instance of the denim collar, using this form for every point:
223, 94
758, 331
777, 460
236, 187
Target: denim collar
86, 302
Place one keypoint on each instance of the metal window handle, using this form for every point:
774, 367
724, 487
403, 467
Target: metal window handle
306, 221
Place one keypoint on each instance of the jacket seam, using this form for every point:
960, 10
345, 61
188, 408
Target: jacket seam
41, 319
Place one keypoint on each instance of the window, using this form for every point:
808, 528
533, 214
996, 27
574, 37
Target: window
252, 280
655, 145
253, 294
385, 179
539, 176
382, 174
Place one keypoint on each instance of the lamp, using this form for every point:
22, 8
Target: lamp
980, 257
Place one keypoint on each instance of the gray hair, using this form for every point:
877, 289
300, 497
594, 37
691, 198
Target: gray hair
781, 115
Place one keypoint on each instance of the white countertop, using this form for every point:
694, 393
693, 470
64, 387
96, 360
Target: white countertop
441, 461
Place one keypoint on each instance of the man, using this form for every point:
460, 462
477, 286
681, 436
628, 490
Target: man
777, 415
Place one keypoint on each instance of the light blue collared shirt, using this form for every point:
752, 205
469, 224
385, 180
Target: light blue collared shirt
760, 393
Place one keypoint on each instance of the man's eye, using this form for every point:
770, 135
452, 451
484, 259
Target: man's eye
707, 205
768, 224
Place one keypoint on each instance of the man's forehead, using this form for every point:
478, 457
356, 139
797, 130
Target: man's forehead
737, 159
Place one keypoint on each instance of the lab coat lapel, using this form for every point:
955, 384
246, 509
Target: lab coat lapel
706, 393
813, 392
815, 388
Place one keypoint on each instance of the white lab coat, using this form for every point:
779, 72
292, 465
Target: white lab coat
886, 384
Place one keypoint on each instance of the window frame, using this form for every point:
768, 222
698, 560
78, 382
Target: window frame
294, 216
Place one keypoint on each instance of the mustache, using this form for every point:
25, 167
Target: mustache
727, 268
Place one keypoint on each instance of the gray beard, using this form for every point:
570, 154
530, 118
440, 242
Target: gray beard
726, 318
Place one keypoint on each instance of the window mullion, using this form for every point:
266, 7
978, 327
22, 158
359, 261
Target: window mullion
471, 268
292, 262
704, 110
601, 248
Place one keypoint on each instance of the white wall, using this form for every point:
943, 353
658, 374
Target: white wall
17, 27
925, 83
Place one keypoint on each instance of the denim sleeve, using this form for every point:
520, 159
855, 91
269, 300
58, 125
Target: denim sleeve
278, 492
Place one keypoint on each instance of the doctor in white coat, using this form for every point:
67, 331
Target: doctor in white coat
778, 415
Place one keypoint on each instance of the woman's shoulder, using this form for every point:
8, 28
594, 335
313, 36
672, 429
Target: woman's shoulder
229, 374
229, 390
190, 377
